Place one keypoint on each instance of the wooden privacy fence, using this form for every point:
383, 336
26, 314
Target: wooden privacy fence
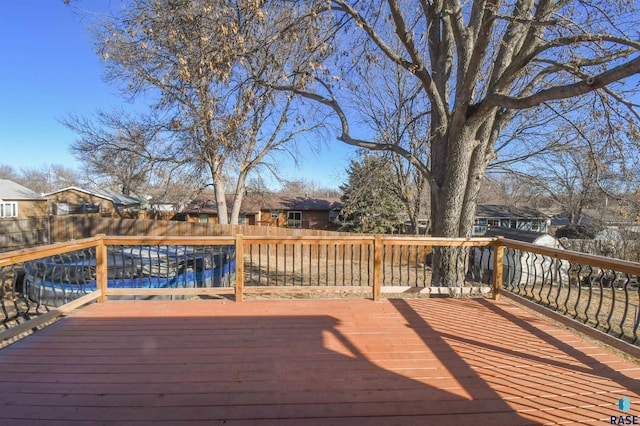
22, 233
67, 228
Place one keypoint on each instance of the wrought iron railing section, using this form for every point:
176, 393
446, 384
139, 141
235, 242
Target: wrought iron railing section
342, 264
59, 279
307, 264
596, 295
169, 266
32, 287
413, 265
406, 265
480, 269
14, 307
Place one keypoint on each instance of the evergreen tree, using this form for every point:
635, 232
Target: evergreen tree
370, 201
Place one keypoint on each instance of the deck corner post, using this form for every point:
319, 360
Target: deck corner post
498, 260
377, 266
101, 268
239, 268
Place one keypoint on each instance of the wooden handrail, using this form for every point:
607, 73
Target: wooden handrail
435, 241
34, 253
190, 241
249, 239
574, 256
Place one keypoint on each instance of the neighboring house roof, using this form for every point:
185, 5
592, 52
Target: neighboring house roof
303, 204
254, 203
562, 219
523, 235
9, 190
116, 198
507, 212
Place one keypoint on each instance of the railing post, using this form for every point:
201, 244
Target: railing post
377, 267
498, 260
239, 268
101, 269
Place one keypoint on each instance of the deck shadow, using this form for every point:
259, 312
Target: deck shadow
516, 359
247, 369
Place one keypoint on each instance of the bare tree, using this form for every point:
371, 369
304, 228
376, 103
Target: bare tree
307, 189
48, 178
8, 172
388, 102
586, 170
42, 179
480, 65
197, 59
117, 150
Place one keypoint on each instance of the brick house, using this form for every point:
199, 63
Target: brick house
19, 202
74, 200
271, 210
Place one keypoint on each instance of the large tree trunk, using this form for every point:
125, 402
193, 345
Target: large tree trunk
238, 197
221, 202
449, 264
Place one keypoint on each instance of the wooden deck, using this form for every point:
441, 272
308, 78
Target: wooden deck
324, 362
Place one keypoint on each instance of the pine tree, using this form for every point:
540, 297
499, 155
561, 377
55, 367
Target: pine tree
370, 201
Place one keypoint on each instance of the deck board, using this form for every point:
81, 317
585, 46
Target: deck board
418, 361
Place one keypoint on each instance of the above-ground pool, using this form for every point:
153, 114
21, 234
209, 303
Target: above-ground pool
61, 278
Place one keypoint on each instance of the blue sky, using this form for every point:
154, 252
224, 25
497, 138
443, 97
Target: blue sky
48, 69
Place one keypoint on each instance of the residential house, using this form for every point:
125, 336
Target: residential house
74, 200
522, 218
203, 209
19, 202
271, 210
300, 212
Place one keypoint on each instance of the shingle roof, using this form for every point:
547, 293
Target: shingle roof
113, 196
303, 204
9, 190
507, 212
514, 234
254, 203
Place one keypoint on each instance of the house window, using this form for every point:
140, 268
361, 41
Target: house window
63, 209
479, 229
524, 224
480, 226
294, 219
274, 214
203, 218
8, 209
87, 208
242, 219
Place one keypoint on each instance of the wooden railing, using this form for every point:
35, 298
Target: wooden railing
594, 291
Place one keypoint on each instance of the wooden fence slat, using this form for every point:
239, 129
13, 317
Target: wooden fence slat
65, 228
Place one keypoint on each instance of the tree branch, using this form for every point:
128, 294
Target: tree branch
561, 92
